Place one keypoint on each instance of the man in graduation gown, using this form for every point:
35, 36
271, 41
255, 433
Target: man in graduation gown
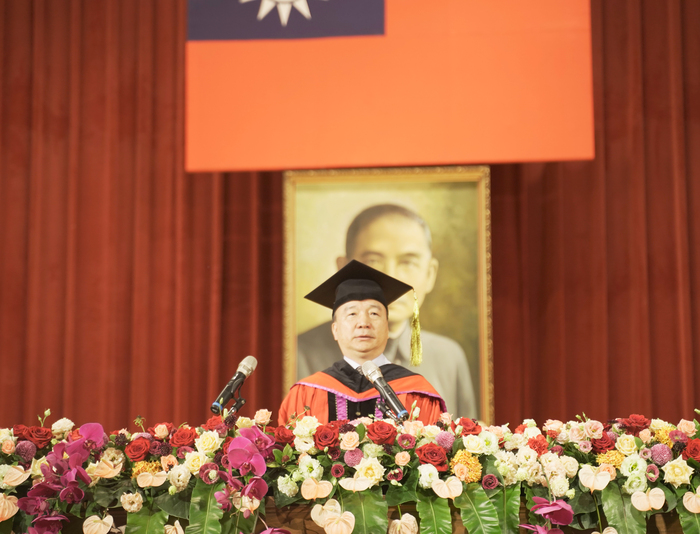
359, 297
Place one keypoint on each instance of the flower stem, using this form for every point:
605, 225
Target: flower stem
597, 511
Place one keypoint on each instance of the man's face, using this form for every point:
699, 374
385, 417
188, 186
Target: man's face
397, 246
361, 329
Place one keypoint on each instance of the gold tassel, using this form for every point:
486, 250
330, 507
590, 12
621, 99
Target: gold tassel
416, 344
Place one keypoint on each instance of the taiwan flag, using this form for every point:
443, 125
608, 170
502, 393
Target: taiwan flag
289, 84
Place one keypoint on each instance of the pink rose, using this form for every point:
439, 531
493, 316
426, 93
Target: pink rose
8, 446
402, 458
350, 441
445, 418
412, 427
685, 426
554, 425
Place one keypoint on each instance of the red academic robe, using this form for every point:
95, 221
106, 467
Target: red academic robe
340, 380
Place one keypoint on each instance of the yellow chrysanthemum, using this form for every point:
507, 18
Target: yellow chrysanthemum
613, 458
468, 467
662, 436
145, 467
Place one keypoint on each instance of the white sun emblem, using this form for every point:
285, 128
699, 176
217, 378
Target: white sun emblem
284, 8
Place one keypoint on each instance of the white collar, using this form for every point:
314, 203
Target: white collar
378, 361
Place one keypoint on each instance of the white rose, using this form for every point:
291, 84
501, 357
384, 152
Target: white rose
626, 444
6, 433
62, 427
209, 442
571, 465
306, 445
473, 444
659, 424
194, 461
36, 466
132, 502
428, 473
244, 422
677, 472
563, 437
179, 476
287, 486
430, 432
306, 427
371, 469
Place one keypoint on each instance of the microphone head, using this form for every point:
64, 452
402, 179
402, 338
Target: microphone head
371, 371
247, 365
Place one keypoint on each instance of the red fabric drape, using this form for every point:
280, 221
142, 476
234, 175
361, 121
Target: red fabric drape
129, 288
596, 265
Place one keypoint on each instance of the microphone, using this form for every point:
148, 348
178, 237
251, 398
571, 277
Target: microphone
374, 375
245, 369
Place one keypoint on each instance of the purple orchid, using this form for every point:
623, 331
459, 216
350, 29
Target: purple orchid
256, 489
71, 492
33, 505
244, 456
52, 523
558, 512
225, 497
257, 437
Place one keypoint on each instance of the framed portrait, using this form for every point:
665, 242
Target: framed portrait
427, 226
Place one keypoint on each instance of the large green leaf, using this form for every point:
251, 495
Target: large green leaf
6, 526
205, 512
404, 493
146, 521
620, 513
369, 508
235, 523
434, 512
507, 504
478, 512
689, 521
177, 505
108, 492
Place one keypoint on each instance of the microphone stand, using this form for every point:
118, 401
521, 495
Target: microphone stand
386, 412
238, 402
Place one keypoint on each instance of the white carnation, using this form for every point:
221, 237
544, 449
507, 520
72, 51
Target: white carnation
558, 486
132, 502
372, 450
306, 445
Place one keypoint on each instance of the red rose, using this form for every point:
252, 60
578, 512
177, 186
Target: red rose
469, 426
326, 436
692, 450
433, 454
381, 433
183, 437
39, 436
538, 444
213, 423
20, 431
283, 435
603, 444
138, 449
635, 423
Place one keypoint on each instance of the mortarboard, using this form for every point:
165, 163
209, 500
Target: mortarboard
357, 281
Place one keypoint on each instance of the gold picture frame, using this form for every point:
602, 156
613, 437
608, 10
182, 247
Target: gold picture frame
454, 202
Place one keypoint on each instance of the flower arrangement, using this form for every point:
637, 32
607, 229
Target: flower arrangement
214, 478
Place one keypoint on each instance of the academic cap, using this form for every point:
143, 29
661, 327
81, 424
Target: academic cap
357, 281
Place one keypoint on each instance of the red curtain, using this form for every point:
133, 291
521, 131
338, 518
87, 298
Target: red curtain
130, 288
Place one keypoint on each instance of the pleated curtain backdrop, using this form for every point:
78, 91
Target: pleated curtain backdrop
128, 287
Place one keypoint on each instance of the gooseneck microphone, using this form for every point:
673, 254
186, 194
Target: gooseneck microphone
245, 369
374, 375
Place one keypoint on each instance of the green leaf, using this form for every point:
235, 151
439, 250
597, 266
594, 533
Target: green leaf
237, 523
146, 521
671, 499
582, 502
6, 526
369, 508
106, 493
404, 493
177, 505
478, 512
205, 512
361, 431
585, 521
507, 504
689, 521
282, 500
278, 455
620, 513
434, 512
